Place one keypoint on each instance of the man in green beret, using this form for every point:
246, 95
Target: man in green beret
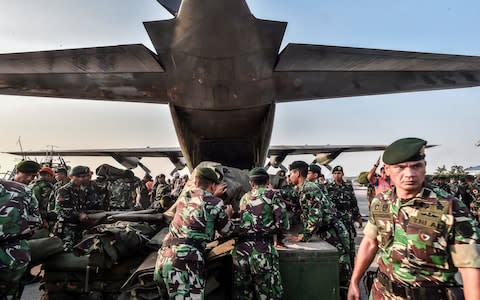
424, 235
26, 171
343, 196
255, 259
70, 207
319, 217
200, 213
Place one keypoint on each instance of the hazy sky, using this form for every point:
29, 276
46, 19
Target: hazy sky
448, 118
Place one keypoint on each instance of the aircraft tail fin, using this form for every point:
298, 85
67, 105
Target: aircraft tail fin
171, 5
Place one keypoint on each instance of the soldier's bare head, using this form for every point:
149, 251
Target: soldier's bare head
298, 172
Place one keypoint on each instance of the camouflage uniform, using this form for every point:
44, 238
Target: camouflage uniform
93, 201
121, 195
56, 186
180, 263
422, 241
163, 197
101, 188
43, 190
346, 204
290, 197
18, 215
475, 204
70, 203
319, 216
255, 259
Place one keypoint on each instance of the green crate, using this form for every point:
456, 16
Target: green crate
309, 271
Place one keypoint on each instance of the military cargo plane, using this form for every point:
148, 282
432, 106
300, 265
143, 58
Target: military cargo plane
220, 71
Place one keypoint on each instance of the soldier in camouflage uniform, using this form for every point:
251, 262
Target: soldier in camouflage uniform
424, 235
343, 196
255, 259
93, 199
163, 198
319, 217
19, 214
199, 213
475, 204
61, 177
122, 192
313, 175
42, 188
70, 208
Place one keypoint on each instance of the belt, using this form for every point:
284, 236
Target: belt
424, 293
198, 244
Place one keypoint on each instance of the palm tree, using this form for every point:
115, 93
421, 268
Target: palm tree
441, 170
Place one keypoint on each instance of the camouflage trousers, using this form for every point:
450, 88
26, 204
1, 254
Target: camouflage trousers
14, 260
184, 279
256, 272
339, 238
352, 233
378, 292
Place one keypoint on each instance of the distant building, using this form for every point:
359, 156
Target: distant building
473, 170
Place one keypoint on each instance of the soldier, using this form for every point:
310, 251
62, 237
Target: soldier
92, 199
121, 192
163, 197
475, 204
26, 171
424, 235
464, 192
101, 188
319, 217
61, 177
142, 193
442, 183
255, 259
70, 207
19, 215
381, 183
42, 188
343, 196
199, 212
313, 175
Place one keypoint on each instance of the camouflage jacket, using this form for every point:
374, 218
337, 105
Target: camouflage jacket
198, 215
121, 195
43, 191
95, 196
318, 209
345, 201
262, 213
162, 191
475, 204
19, 212
56, 186
423, 240
70, 203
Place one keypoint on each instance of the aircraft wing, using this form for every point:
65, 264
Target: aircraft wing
306, 149
127, 152
118, 73
306, 72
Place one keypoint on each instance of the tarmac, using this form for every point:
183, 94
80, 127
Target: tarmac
32, 291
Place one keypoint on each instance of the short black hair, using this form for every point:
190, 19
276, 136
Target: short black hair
301, 166
259, 180
203, 182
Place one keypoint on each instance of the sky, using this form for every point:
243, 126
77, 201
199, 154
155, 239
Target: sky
449, 118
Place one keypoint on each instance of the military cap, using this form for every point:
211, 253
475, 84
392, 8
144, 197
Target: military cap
315, 169
337, 169
80, 171
207, 173
258, 172
28, 166
47, 170
402, 150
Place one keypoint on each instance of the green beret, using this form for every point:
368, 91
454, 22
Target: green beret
315, 169
258, 172
407, 149
337, 169
298, 164
80, 171
207, 173
28, 166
